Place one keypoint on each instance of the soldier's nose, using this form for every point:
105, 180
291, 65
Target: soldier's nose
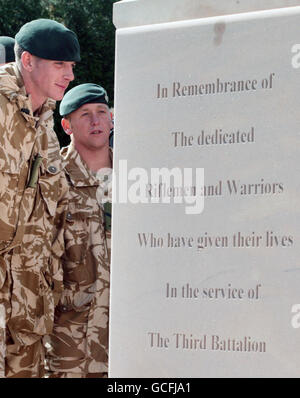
69, 73
95, 120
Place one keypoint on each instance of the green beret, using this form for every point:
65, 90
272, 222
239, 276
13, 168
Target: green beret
49, 39
7, 53
87, 93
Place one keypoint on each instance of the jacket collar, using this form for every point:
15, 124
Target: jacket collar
12, 87
79, 173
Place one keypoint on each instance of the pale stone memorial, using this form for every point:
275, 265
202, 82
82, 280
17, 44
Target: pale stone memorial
206, 87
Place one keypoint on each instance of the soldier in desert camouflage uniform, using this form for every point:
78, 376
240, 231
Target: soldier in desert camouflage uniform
33, 191
7, 53
79, 344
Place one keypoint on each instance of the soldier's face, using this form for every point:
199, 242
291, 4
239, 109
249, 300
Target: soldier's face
50, 78
90, 125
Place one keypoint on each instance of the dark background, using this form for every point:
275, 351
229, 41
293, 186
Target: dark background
91, 20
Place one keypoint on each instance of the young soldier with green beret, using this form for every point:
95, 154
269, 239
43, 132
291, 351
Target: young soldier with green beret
33, 191
79, 343
7, 53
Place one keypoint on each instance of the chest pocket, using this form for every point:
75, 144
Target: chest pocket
49, 182
76, 235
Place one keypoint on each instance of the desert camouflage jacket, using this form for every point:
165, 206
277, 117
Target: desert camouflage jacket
86, 265
33, 203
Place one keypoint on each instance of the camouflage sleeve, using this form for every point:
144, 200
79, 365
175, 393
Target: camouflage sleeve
58, 247
11, 175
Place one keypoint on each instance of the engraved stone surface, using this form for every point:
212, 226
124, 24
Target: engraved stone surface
212, 293
129, 13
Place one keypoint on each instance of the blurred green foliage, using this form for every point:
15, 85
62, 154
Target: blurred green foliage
91, 20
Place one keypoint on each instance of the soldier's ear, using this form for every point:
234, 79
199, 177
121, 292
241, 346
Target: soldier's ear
27, 61
65, 123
